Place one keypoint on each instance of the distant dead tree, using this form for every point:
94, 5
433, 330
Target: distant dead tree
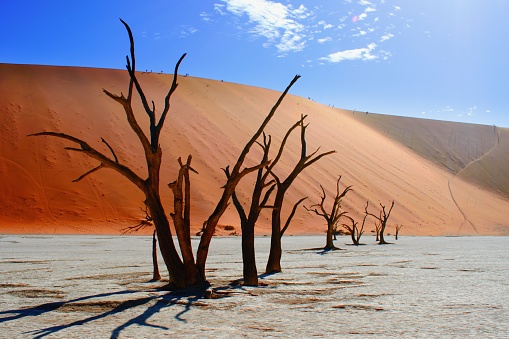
355, 231
377, 230
144, 223
333, 216
397, 229
186, 271
382, 219
282, 186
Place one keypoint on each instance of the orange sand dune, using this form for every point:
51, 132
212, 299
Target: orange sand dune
445, 178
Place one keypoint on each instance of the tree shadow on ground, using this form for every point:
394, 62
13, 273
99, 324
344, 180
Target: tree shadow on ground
188, 298
322, 250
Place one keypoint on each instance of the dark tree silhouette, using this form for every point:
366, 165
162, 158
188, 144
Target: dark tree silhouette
274, 261
334, 215
377, 230
233, 178
248, 221
153, 156
186, 271
382, 219
355, 231
397, 229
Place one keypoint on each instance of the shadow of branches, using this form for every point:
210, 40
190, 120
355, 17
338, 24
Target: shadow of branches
154, 304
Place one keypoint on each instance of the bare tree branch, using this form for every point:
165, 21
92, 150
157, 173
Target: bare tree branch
294, 209
111, 149
105, 161
89, 172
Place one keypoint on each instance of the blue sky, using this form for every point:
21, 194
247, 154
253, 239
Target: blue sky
436, 59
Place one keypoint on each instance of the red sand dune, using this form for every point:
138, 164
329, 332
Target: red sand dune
446, 178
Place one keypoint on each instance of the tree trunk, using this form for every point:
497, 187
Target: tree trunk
179, 277
248, 256
382, 230
329, 244
274, 262
156, 275
354, 238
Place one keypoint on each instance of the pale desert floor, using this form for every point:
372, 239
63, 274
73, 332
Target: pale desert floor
97, 287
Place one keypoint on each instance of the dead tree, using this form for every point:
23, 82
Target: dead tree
382, 219
181, 216
233, 178
274, 261
153, 156
333, 216
144, 223
184, 272
396, 233
355, 231
248, 220
377, 230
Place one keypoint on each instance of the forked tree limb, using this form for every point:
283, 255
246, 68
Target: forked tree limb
155, 127
131, 119
111, 149
231, 183
255, 136
91, 152
282, 146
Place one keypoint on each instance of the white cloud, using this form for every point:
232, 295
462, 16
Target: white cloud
205, 16
361, 33
278, 23
364, 3
397, 8
325, 24
364, 15
324, 40
352, 54
219, 8
185, 31
387, 36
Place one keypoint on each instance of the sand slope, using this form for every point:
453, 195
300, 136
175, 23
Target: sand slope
212, 120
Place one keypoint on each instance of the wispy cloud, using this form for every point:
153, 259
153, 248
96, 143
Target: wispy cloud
324, 40
186, 30
278, 23
386, 37
205, 16
352, 54
471, 111
290, 28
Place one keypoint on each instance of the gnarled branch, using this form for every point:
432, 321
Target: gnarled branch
91, 152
